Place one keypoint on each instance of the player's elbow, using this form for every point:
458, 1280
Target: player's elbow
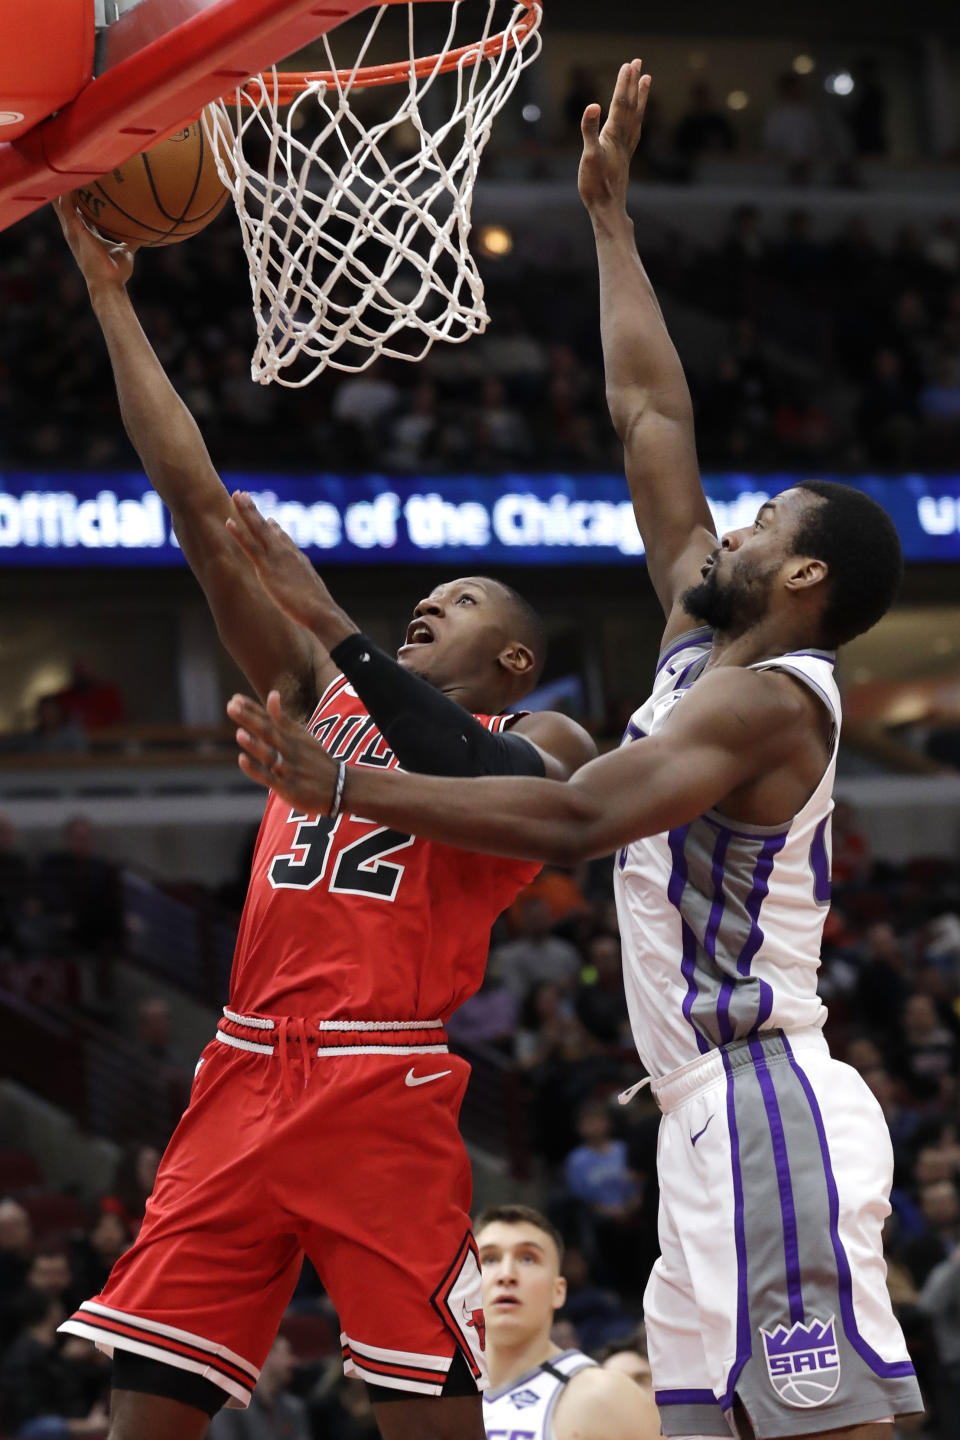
628, 404
578, 835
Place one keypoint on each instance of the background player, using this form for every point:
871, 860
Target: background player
538, 1391
767, 1312
323, 1116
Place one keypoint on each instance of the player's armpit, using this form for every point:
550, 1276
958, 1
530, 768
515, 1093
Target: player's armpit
605, 1405
564, 745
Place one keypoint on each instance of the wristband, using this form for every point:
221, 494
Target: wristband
334, 810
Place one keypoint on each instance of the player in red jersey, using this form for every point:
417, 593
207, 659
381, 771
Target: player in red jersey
323, 1118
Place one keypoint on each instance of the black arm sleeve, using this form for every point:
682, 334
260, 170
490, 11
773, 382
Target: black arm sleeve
429, 733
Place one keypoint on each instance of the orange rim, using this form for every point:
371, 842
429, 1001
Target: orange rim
291, 83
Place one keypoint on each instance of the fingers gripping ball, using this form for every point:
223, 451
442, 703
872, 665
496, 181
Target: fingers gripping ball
160, 197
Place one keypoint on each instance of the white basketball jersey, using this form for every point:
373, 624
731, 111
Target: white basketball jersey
523, 1410
721, 921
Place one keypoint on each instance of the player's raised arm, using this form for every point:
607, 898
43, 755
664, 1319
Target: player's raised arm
429, 732
646, 390
271, 650
733, 727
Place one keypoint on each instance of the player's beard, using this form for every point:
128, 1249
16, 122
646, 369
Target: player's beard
734, 607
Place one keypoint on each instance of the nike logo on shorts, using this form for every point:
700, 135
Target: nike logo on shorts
411, 1079
695, 1138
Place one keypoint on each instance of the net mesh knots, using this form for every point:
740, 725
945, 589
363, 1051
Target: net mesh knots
356, 222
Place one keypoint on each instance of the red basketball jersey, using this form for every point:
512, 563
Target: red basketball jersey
351, 920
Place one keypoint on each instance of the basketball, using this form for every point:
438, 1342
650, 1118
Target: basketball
165, 195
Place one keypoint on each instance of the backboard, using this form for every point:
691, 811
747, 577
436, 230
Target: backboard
86, 84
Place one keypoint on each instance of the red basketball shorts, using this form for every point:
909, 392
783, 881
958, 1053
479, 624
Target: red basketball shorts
340, 1142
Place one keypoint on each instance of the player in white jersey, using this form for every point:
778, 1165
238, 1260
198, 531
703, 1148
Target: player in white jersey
538, 1391
767, 1314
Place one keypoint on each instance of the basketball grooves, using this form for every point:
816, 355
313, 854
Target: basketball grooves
176, 220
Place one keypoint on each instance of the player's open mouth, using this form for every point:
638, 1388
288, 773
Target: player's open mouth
419, 633
502, 1301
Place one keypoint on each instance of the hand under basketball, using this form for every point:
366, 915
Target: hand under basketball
605, 164
281, 756
286, 574
99, 263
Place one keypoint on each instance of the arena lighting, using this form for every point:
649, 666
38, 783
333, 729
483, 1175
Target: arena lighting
494, 240
531, 113
841, 83
803, 64
738, 100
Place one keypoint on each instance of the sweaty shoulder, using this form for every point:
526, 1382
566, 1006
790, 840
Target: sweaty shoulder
564, 744
601, 1404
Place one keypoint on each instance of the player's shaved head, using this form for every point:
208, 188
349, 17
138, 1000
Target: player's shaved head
524, 624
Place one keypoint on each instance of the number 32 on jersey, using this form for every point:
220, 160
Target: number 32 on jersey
361, 867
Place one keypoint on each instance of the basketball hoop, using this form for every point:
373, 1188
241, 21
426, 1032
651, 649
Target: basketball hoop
357, 230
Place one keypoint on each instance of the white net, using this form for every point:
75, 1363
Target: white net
356, 222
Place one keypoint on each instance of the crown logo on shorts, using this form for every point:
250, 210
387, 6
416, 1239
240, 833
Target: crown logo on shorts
803, 1362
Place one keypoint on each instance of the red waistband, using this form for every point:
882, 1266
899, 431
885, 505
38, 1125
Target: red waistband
262, 1034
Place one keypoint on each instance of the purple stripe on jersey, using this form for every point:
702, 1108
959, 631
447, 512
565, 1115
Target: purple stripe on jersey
819, 863
791, 1243
886, 1369
679, 685
633, 732
716, 908
685, 1397
677, 840
744, 1347
758, 893
692, 637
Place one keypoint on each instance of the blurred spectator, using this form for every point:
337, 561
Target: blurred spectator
537, 953
546, 1020
940, 1205
703, 129
16, 1255
595, 1314
133, 1184
792, 131
51, 1274
867, 112
90, 701
41, 1391
600, 1000
597, 1174
96, 1253
79, 890
629, 1355
55, 730
15, 887
940, 1299
560, 890
850, 849
273, 1412
583, 89
499, 431
881, 984
887, 416
154, 1028
340, 1409
929, 1048
488, 1018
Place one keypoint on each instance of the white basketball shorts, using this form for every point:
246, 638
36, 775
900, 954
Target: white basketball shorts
775, 1167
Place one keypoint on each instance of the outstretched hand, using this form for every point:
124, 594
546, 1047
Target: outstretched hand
286, 574
100, 264
281, 756
607, 152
